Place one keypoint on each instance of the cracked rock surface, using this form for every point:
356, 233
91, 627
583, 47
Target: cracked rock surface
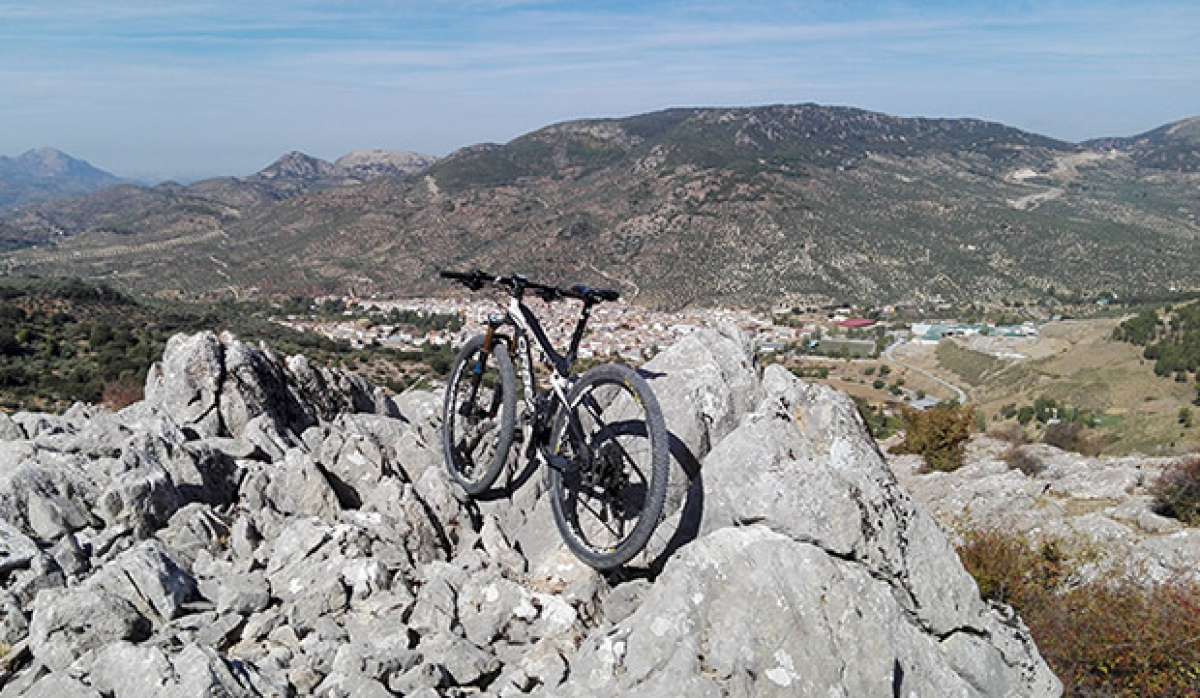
1101, 504
258, 526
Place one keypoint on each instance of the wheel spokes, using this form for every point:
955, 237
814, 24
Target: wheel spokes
606, 492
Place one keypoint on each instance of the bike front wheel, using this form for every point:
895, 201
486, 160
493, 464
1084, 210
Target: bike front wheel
609, 466
479, 415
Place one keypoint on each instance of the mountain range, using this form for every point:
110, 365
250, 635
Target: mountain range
174, 209
44, 174
683, 206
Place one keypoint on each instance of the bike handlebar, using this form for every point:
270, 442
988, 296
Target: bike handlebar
516, 284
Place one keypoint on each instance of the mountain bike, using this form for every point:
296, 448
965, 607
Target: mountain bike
601, 435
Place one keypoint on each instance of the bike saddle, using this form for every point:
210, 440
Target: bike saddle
596, 295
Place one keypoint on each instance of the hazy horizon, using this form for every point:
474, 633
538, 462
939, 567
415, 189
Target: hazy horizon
211, 88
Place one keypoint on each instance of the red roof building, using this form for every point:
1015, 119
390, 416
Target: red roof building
856, 323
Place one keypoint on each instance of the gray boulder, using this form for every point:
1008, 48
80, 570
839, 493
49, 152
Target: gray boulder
43, 573
804, 517
217, 385
803, 465
833, 629
421, 408
187, 383
128, 671
17, 550
68, 622
457, 659
10, 430
703, 383
61, 686
295, 486
149, 578
339, 685
71, 557
242, 593
43, 493
355, 461
141, 500
14, 625
194, 528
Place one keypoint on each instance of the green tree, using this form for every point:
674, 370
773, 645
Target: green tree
938, 435
100, 335
9, 346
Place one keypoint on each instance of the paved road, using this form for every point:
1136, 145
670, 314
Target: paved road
959, 392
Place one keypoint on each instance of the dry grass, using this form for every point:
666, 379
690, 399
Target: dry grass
1017, 457
1177, 491
1072, 436
1110, 637
1021, 459
121, 392
1077, 363
1012, 434
972, 366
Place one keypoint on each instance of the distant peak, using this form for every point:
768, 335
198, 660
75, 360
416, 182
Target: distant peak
47, 163
45, 152
378, 162
47, 158
296, 156
297, 165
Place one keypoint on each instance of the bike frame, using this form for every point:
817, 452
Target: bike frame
526, 325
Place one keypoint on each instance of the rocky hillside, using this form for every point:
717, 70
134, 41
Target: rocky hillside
1102, 503
45, 174
698, 206
369, 164
1174, 146
260, 527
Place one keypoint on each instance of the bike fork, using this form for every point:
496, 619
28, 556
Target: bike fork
477, 370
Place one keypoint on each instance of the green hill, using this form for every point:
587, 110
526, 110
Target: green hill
684, 206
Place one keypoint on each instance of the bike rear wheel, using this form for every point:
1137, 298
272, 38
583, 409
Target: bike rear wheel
479, 415
609, 466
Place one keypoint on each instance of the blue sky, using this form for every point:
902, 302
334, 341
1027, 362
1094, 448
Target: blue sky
155, 88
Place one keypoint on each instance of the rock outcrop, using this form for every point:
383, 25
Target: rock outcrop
1103, 506
260, 527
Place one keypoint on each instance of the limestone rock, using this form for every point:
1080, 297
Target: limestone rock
1099, 503
10, 430
833, 629
68, 622
150, 579
261, 526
